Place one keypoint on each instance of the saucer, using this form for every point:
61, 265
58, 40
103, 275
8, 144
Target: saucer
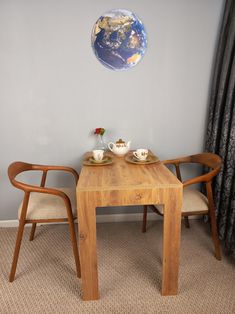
147, 159
90, 161
151, 159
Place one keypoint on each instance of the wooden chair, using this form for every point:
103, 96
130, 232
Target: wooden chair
194, 202
41, 205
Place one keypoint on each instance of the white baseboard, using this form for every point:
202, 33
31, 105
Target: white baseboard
99, 219
9, 223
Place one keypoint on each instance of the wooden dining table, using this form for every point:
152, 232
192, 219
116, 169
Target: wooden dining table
121, 184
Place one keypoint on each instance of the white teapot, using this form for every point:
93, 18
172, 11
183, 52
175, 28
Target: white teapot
120, 148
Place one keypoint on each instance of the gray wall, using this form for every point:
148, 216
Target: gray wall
54, 92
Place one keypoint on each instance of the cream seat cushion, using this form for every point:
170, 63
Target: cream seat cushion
47, 206
193, 201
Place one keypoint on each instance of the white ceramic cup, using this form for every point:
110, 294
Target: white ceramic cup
141, 154
98, 154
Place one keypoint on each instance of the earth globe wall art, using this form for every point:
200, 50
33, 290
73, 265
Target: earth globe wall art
119, 39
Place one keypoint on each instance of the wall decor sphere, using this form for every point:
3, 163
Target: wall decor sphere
119, 39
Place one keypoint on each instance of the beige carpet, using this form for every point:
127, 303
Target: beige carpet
129, 273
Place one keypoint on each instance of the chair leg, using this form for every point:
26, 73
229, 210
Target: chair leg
74, 245
17, 250
144, 218
214, 234
32, 231
215, 237
214, 231
186, 222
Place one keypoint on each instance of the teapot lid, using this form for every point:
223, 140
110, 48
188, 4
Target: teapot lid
120, 142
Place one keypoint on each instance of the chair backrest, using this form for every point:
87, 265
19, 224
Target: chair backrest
16, 168
209, 160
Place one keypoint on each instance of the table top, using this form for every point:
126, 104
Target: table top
122, 175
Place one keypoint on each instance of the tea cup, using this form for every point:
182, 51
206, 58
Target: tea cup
98, 155
141, 154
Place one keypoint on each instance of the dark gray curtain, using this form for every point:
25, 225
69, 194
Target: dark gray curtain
220, 137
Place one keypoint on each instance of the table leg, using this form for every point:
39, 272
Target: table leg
171, 242
87, 247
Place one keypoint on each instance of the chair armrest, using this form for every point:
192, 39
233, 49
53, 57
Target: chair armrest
176, 163
200, 179
39, 189
27, 188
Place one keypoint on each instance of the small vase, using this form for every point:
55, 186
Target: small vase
100, 143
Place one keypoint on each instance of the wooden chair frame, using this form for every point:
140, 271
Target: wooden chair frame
211, 161
18, 167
